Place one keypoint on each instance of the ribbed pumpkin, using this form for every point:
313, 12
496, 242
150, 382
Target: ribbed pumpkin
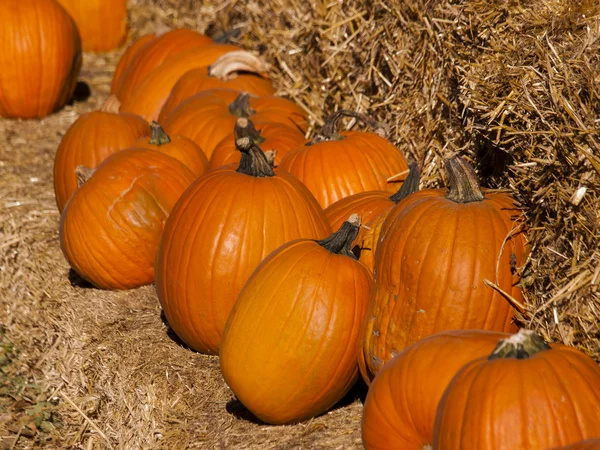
525, 395
102, 23
128, 56
336, 165
110, 228
40, 56
239, 70
588, 444
224, 225
154, 54
273, 136
178, 147
434, 252
208, 117
89, 140
401, 404
289, 346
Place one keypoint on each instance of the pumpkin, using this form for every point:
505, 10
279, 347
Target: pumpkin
128, 56
400, 408
147, 98
239, 70
336, 165
208, 117
32, 86
178, 147
526, 394
273, 136
110, 228
102, 23
434, 252
588, 444
289, 346
224, 225
89, 140
154, 53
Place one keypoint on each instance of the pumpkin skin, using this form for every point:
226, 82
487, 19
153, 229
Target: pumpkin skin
336, 165
110, 228
430, 264
522, 396
91, 139
289, 346
30, 86
102, 23
588, 444
224, 225
128, 56
400, 408
367, 205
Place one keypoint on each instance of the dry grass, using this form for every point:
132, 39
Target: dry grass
515, 86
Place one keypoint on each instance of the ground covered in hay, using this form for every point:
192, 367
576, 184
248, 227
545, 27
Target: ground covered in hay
513, 85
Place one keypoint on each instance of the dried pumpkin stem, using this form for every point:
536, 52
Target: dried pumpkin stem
231, 64
462, 180
83, 174
245, 128
522, 345
241, 106
158, 136
253, 161
340, 241
329, 130
410, 185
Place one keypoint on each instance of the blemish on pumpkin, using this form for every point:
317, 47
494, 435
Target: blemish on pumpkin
395, 352
421, 311
376, 361
376, 333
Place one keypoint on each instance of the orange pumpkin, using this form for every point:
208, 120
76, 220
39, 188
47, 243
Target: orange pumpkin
32, 86
588, 444
128, 56
224, 225
91, 139
110, 228
434, 252
102, 23
526, 394
400, 408
289, 346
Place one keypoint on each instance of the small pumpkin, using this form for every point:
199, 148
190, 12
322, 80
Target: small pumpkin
110, 228
526, 394
128, 56
289, 346
32, 86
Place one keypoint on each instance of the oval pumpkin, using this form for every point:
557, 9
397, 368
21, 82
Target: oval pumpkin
127, 57
289, 346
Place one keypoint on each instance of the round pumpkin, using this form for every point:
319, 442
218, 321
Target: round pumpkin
102, 24
40, 56
127, 57
289, 346
224, 225
434, 252
526, 394
91, 139
110, 228
336, 165
400, 408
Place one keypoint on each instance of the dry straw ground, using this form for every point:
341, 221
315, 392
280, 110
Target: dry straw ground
513, 85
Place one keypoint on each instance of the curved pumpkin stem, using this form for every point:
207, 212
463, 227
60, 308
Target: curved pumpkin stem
329, 131
158, 136
253, 161
83, 174
462, 180
241, 106
245, 128
410, 185
230, 65
522, 345
111, 105
340, 241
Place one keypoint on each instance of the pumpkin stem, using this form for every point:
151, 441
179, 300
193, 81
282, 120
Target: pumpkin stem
253, 161
241, 106
328, 131
340, 241
410, 185
462, 180
245, 128
158, 136
522, 345
230, 65
111, 105
270, 155
83, 174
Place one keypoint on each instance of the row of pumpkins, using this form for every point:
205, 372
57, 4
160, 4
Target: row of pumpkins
303, 263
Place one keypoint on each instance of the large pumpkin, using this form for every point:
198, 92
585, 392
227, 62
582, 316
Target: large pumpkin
525, 395
401, 404
289, 346
102, 23
336, 165
435, 250
40, 56
109, 229
128, 56
91, 139
224, 225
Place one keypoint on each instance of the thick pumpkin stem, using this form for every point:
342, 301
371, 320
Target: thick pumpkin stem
462, 180
158, 136
111, 105
253, 161
410, 185
231, 64
83, 174
241, 106
522, 345
340, 241
245, 128
329, 131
